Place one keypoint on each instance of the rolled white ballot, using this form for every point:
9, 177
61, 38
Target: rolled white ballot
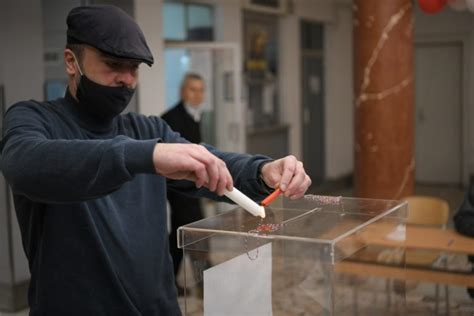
245, 202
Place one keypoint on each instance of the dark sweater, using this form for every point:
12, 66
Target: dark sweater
92, 210
180, 121
464, 218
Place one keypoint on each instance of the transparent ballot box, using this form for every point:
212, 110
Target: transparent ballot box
318, 255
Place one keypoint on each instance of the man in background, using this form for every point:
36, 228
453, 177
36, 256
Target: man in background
185, 118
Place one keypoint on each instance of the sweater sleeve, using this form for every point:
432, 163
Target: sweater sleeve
64, 170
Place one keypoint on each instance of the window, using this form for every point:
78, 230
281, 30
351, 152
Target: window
55, 89
188, 21
176, 66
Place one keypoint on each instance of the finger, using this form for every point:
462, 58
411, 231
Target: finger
270, 173
213, 172
207, 175
289, 166
201, 174
230, 183
217, 171
302, 189
192, 170
212, 165
272, 180
225, 177
298, 179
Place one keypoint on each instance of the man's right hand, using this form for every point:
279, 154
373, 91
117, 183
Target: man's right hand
192, 162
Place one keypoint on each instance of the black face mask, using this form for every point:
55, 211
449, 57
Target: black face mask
100, 101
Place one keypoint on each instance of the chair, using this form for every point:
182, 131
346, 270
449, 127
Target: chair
431, 212
422, 211
427, 211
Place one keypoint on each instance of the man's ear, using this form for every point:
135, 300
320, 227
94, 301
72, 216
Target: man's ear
70, 62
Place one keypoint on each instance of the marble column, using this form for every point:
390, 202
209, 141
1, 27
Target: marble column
384, 98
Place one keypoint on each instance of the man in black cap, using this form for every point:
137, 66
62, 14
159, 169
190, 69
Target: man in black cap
90, 184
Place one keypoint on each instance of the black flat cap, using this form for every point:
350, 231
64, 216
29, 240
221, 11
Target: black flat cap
109, 29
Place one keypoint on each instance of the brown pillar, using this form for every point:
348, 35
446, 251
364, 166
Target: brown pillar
383, 79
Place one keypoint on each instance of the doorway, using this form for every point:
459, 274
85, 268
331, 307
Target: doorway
438, 112
312, 92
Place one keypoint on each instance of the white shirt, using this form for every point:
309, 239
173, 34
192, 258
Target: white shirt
195, 112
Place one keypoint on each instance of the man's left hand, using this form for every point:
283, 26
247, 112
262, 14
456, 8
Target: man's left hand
288, 174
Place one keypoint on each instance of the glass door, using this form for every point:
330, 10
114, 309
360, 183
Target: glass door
223, 120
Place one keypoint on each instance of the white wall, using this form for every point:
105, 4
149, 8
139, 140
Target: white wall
55, 34
5, 267
318, 10
228, 29
290, 81
339, 110
228, 21
23, 50
451, 25
3, 37
5, 262
151, 96
22, 75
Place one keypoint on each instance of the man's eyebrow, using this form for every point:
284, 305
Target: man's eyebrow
122, 61
112, 58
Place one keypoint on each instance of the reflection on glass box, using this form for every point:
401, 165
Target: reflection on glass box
319, 255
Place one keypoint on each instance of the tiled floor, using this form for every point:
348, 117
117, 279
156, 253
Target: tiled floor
420, 298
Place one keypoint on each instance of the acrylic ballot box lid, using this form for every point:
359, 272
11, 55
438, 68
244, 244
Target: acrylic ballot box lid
324, 220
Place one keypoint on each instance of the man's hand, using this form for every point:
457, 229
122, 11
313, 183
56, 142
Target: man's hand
192, 162
288, 174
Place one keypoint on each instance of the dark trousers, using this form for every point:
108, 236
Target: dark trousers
184, 210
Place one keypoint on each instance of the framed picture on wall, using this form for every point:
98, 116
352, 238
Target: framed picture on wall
261, 68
